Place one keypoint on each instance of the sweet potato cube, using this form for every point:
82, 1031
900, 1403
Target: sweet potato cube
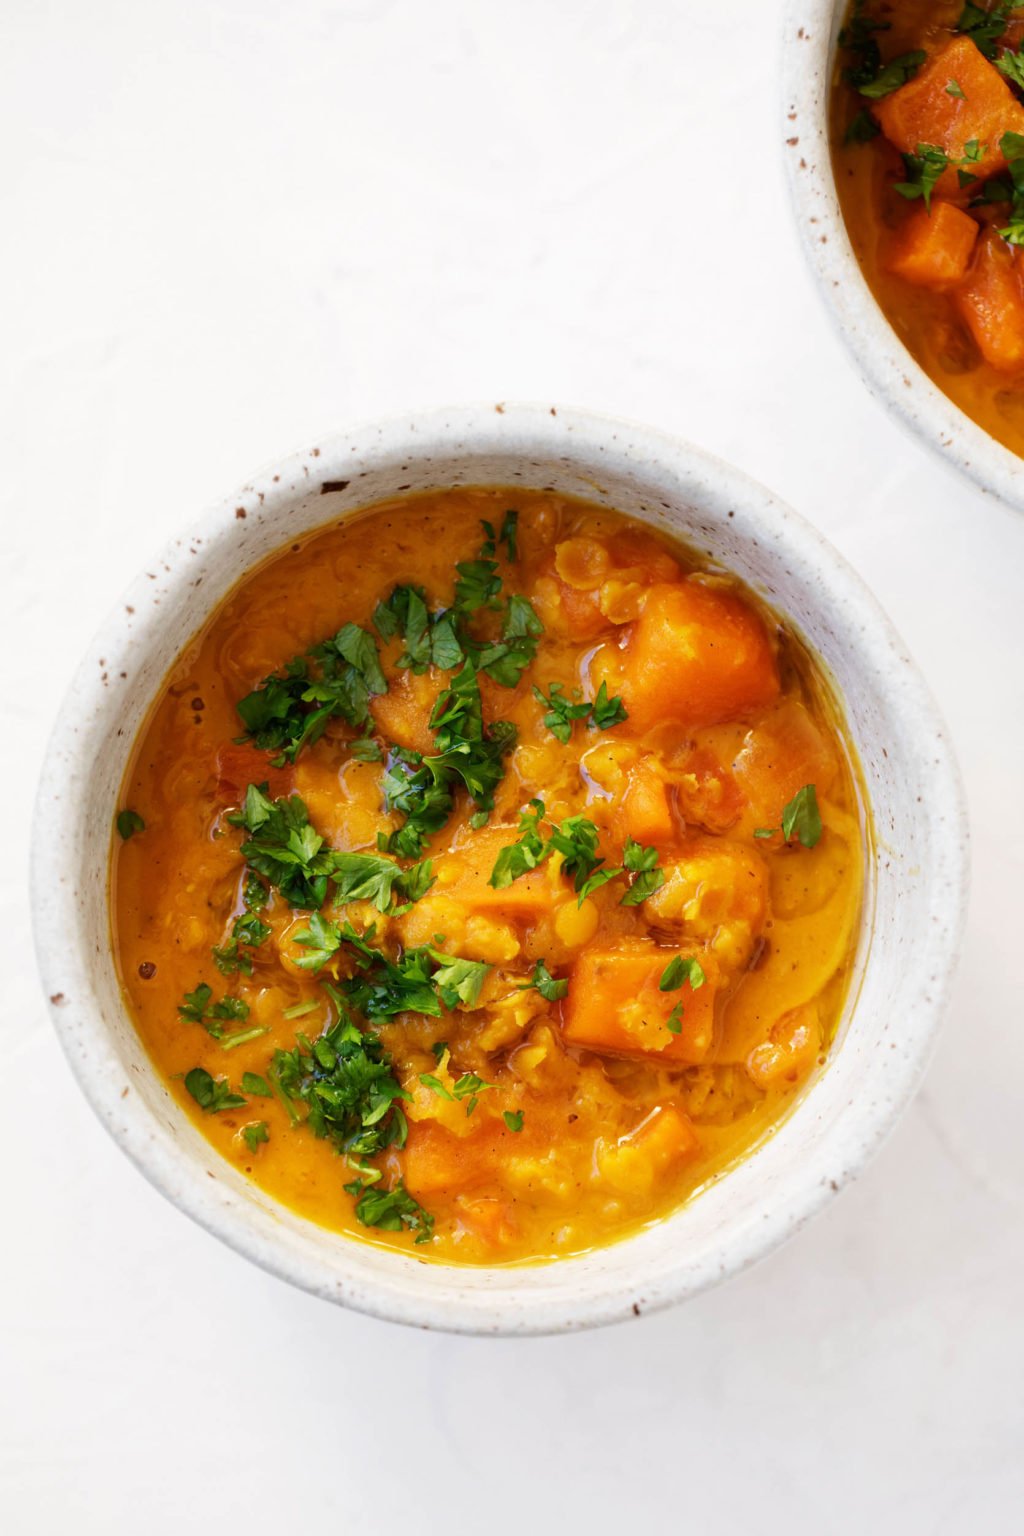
648, 814
634, 1163
924, 112
614, 1006
464, 875
933, 248
698, 655
434, 1160
991, 301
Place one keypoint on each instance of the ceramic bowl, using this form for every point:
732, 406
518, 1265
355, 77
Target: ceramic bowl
911, 927
887, 368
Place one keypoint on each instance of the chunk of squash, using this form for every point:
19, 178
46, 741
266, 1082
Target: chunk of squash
240, 764
697, 655
634, 1163
991, 301
434, 1160
924, 112
614, 1006
464, 874
933, 249
646, 807
780, 755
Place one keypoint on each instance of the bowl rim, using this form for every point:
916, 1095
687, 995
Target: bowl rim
522, 428
884, 364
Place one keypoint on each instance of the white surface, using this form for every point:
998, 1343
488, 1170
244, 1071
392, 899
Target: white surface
229, 227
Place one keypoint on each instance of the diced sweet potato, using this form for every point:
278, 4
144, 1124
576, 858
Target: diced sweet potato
779, 756
698, 655
991, 301
403, 713
924, 112
933, 248
240, 764
647, 812
615, 1006
490, 1218
464, 876
635, 1162
434, 1160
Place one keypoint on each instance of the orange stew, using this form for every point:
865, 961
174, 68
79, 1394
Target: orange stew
928, 134
526, 902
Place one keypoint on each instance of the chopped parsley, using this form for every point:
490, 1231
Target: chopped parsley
199, 1008
1012, 66
866, 71
862, 128
128, 823
680, 970
985, 27
923, 169
371, 877
801, 818
335, 679
284, 848
602, 713
514, 1118
256, 1086
233, 958
255, 1134
577, 839
954, 88
212, 1094
391, 1210
549, 987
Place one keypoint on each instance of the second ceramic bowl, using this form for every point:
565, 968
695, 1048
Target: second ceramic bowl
907, 945
887, 368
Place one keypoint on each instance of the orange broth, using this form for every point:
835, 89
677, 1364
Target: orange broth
957, 302
537, 1125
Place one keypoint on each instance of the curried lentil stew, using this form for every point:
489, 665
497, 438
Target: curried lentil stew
487, 875
928, 143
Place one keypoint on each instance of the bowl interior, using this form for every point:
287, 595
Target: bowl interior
916, 875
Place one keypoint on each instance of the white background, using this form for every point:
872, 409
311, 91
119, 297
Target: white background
228, 228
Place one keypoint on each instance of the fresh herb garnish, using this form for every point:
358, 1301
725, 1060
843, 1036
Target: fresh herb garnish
519, 858
954, 88
284, 847
255, 1134
234, 958
212, 1094
643, 863
801, 818
128, 823
680, 970
985, 27
344, 1082
866, 72
391, 1209
923, 169
371, 877
1012, 66
862, 128
549, 987
199, 1008
335, 679
514, 1118
601, 713
256, 1086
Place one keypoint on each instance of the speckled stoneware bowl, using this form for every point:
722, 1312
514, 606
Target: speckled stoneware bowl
883, 362
911, 926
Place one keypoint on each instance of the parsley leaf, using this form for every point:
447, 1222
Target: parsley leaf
643, 862
892, 75
257, 1086
370, 877
458, 981
561, 711
514, 1119
680, 970
128, 823
800, 817
212, 1095
391, 1209
232, 959
1012, 66
284, 847
985, 27
291, 710
674, 1022
862, 128
255, 1133
923, 171
607, 711
546, 984
346, 1085
198, 1008
519, 858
